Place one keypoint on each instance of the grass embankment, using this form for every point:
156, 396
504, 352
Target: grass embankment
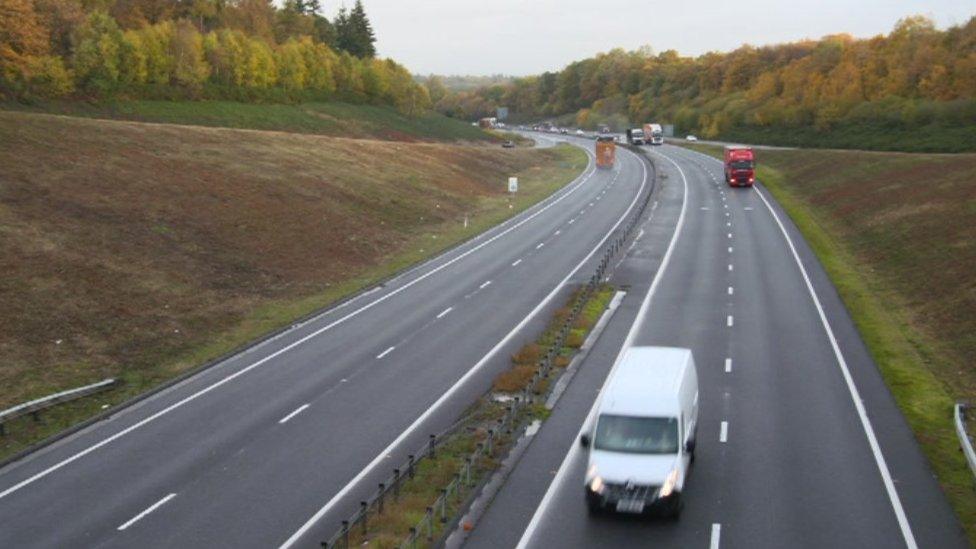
390, 528
868, 135
335, 119
140, 251
897, 234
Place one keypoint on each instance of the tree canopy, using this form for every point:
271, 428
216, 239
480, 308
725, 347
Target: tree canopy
238, 49
917, 74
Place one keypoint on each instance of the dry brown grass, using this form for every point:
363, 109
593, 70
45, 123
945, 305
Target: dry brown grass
140, 250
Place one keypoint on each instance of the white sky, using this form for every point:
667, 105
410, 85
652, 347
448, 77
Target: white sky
520, 37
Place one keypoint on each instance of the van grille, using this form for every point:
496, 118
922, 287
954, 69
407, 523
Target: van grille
618, 491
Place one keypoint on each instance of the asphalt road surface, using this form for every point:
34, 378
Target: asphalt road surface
800, 444
275, 446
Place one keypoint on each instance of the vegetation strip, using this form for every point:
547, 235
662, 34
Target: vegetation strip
921, 369
422, 498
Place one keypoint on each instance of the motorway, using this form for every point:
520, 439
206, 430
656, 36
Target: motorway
274, 446
278, 444
800, 443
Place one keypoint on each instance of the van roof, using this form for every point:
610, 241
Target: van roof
646, 382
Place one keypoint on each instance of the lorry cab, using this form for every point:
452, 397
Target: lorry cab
642, 440
740, 166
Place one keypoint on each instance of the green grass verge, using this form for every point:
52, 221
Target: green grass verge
389, 529
334, 118
534, 185
862, 136
900, 351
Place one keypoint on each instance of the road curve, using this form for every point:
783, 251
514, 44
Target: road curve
276, 445
800, 443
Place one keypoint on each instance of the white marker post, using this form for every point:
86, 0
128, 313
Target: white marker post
512, 184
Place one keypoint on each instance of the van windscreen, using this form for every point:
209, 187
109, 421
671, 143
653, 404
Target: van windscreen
637, 435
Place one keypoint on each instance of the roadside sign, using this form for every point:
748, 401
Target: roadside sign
512, 184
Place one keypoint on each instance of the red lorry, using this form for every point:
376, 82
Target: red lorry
740, 166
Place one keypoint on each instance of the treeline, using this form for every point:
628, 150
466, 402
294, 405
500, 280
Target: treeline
220, 49
915, 76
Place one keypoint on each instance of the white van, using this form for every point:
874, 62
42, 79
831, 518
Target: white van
643, 439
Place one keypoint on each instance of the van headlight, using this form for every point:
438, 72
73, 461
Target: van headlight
669, 483
595, 483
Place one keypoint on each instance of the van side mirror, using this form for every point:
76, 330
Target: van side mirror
585, 440
690, 446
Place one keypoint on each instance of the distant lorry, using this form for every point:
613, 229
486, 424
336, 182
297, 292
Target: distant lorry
635, 136
740, 166
654, 134
488, 122
606, 151
641, 443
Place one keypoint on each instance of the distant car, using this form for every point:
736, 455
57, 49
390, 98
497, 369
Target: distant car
564, 131
691, 138
579, 132
508, 145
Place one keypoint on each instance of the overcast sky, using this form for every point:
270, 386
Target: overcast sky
520, 37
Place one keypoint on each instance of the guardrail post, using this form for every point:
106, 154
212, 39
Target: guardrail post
488, 445
457, 484
433, 446
364, 508
396, 484
36, 415
410, 466
3, 429
379, 502
467, 470
345, 533
430, 523
413, 537
443, 499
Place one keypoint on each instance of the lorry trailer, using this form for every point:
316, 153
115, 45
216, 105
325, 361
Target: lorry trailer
606, 151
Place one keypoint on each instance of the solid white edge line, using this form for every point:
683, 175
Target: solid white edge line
148, 510
723, 435
906, 529
716, 536
631, 335
444, 312
297, 411
484, 285
730, 321
516, 262
460, 382
731, 291
728, 365
74, 457
384, 353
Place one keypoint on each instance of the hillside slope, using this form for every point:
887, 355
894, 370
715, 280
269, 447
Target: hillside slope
140, 250
332, 118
